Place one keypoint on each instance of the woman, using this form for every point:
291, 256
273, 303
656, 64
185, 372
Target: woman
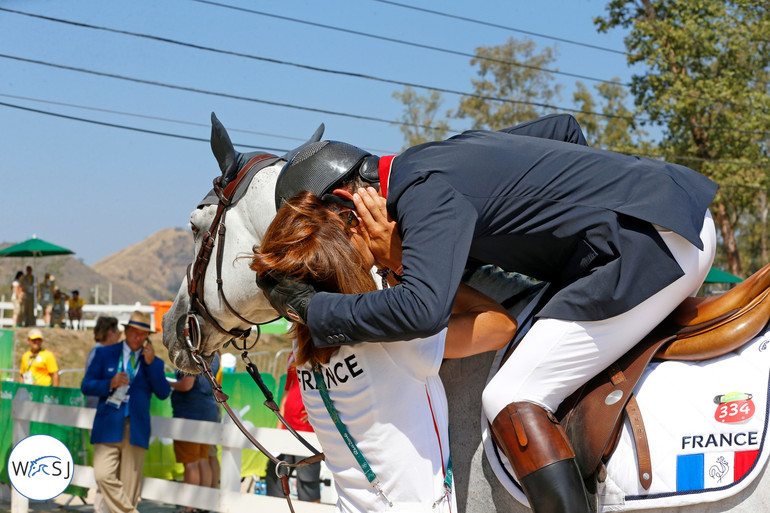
389, 397
17, 297
106, 333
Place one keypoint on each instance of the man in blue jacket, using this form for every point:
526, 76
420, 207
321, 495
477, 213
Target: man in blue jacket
124, 376
621, 240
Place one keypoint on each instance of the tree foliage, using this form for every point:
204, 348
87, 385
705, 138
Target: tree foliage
419, 120
610, 126
706, 84
511, 87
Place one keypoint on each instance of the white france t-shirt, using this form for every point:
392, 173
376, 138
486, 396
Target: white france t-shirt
392, 401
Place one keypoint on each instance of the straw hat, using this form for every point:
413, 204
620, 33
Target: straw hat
35, 333
140, 321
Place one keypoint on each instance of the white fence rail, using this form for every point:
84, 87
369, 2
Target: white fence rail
90, 313
226, 499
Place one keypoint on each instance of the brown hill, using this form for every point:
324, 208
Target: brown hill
150, 270
153, 268
70, 273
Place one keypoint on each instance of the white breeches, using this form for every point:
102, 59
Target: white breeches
556, 357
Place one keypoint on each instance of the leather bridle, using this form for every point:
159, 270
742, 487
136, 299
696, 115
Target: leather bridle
196, 272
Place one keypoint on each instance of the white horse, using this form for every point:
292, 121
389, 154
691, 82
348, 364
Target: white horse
482, 483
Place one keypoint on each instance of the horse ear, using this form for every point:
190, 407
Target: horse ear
319, 132
222, 147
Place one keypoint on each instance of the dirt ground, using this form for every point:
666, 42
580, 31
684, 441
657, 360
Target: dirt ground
71, 347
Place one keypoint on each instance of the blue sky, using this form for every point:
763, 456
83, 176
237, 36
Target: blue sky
98, 189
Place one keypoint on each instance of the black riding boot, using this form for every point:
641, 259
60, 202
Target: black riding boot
542, 457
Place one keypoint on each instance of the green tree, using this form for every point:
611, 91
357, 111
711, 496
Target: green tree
706, 84
610, 126
419, 121
512, 87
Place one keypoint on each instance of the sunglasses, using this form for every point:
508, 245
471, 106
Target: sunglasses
349, 217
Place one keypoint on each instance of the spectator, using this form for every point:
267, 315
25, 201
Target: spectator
124, 376
192, 398
17, 297
45, 297
106, 333
76, 309
28, 311
58, 308
293, 410
38, 365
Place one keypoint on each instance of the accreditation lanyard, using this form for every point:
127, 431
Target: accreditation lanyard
357, 454
130, 368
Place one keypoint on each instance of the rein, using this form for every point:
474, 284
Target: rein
192, 333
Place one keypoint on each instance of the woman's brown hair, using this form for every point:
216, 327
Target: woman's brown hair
309, 240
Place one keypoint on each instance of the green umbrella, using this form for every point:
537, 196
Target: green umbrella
717, 276
34, 247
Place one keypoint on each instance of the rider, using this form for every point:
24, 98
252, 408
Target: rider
621, 240
388, 397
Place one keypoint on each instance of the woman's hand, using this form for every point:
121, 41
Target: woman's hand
380, 231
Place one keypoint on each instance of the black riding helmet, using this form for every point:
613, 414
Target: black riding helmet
320, 167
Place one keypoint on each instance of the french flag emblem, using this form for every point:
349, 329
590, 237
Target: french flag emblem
712, 470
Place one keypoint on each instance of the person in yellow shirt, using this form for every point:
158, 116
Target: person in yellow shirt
76, 310
38, 366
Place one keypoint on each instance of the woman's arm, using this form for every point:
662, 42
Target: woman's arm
184, 384
478, 324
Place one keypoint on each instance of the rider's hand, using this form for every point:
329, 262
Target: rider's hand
290, 297
380, 231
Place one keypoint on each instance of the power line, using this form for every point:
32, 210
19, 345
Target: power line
319, 69
144, 116
504, 27
125, 127
212, 93
152, 132
281, 150
169, 120
409, 43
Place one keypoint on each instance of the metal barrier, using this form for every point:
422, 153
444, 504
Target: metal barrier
227, 498
263, 361
90, 313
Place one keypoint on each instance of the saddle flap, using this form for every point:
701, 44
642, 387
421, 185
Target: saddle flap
599, 405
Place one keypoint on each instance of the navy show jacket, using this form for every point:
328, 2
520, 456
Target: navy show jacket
533, 199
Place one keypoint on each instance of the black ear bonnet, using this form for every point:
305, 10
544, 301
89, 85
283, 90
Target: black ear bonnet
320, 167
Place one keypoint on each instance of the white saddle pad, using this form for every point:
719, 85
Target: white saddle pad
706, 424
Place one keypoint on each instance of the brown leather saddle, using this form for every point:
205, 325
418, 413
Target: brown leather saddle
699, 329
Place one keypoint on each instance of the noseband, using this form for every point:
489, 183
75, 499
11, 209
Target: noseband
196, 271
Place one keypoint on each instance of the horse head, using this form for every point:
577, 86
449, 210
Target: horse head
228, 300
